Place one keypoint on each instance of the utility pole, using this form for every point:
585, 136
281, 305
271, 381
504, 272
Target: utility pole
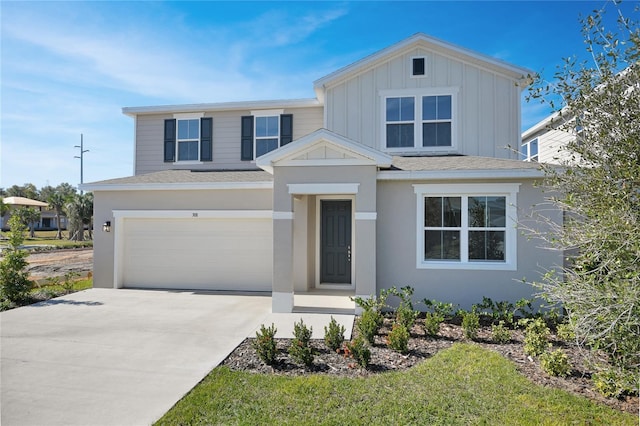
81, 157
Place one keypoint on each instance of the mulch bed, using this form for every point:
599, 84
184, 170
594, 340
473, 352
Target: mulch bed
421, 347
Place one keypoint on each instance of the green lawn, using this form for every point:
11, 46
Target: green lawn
465, 384
48, 238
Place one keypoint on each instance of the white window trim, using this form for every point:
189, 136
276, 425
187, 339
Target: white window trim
417, 122
188, 116
508, 190
411, 75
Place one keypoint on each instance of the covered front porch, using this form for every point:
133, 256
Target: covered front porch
324, 222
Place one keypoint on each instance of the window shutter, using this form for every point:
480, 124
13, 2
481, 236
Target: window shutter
286, 129
169, 140
206, 138
246, 140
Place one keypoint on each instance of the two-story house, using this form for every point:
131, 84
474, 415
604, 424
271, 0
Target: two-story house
397, 173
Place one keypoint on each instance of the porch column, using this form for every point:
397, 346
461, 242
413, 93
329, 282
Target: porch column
282, 291
365, 254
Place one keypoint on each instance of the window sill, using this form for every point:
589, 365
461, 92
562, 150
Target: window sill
475, 266
444, 150
181, 163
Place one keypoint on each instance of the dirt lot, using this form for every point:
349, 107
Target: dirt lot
59, 262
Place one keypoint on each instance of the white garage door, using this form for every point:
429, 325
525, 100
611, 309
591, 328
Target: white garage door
198, 254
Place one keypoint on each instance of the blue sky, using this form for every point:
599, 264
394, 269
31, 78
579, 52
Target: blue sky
69, 67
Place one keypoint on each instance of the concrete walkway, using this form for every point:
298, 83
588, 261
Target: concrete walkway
123, 357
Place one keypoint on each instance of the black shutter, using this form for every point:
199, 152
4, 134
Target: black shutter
286, 129
206, 138
246, 139
169, 140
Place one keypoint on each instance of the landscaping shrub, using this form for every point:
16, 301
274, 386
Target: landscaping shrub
14, 277
536, 337
504, 310
432, 323
265, 344
500, 333
334, 335
405, 314
300, 350
398, 338
470, 324
565, 332
445, 310
359, 351
613, 384
368, 324
555, 363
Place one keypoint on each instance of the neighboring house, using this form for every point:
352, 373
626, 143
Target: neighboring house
544, 142
397, 173
47, 218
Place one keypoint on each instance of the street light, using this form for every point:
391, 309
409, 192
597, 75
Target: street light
81, 157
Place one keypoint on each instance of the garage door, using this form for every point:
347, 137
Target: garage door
198, 254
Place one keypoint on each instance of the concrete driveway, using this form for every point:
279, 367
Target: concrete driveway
116, 357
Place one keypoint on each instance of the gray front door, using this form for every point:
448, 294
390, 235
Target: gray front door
335, 241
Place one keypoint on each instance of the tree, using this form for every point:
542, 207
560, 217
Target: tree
28, 216
66, 189
14, 277
598, 189
28, 190
46, 192
57, 202
80, 212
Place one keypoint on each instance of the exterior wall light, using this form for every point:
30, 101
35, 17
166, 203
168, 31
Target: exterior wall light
106, 227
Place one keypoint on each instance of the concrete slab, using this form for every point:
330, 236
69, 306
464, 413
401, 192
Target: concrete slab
116, 357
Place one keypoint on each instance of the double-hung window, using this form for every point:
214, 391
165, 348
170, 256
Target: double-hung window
264, 131
466, 226
188, 138
419, 120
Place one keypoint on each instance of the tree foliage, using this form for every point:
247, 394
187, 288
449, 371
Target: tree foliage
28, 216
598, 189
14, 278
79, 211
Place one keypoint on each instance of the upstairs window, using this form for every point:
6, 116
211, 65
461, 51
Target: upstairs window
267, 134
263, 132
188, 138
421, 122
418, 66
529, 150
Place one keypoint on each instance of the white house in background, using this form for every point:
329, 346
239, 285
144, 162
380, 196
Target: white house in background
544, 142
396, 173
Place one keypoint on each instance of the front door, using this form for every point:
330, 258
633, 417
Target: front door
335, 241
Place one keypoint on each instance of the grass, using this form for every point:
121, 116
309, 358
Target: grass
464, 384
48, 238
60, 289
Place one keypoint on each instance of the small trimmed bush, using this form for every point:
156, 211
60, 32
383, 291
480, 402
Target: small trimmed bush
300, 350
398, 338
359, 351
555, 363
405, 314
470, 324
265, 344
613, 384
432, 323
368, 324
334, 335
500, 333
536, 339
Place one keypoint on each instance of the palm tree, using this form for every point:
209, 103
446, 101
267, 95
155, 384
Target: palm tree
29, 217
56, 202
80, 212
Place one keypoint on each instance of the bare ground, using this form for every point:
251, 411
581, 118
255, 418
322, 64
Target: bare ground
56, 263
421, 347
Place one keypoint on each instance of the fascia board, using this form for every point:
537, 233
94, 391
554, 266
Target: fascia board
222, 106
176, 186
459, 174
